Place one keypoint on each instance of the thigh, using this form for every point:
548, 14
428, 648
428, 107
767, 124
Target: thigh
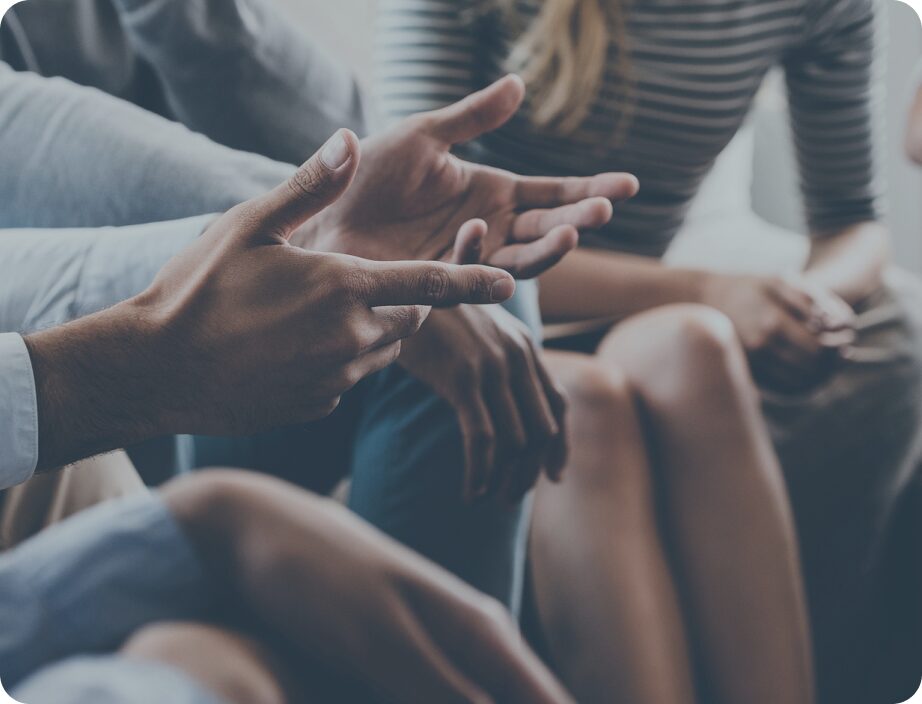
111, 680
407, 473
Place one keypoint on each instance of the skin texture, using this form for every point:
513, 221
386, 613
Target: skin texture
223, 327
415, 195
217, 343
483, 361
787, 326
394, 622
677, 558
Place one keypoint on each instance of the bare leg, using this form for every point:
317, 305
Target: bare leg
603, 589
232, 666
725, 503
348, 598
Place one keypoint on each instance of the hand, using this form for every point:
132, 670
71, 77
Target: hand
412, 195
484, 363
792, 328
240, 331
353, 600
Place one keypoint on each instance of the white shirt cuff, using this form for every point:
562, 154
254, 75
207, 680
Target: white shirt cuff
18, 412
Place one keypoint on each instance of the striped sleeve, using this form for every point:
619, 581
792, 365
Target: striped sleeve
426, 56
833, 93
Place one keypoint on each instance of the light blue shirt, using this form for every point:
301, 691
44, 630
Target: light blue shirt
82, 586
50, 277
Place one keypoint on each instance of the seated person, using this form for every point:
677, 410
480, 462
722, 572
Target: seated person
677, 483
232, 588
258, 98
239, 331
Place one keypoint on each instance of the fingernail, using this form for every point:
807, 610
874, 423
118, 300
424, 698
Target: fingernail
335, 152
502, 290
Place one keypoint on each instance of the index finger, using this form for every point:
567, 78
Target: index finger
433, 283
550, 191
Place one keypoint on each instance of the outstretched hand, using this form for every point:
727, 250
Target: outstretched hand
412, 196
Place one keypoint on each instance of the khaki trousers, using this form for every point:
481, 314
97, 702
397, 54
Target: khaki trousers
53, 496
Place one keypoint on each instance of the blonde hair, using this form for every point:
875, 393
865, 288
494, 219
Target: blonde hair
563, 57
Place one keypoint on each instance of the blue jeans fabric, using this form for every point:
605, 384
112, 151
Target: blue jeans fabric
402, 446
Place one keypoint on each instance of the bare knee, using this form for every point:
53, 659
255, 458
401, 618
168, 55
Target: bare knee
592, 386
232, 666
679, 350
608, 454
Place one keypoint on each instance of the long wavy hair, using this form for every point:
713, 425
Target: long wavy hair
564, 56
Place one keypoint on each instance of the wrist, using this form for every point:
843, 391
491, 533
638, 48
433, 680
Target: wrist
96, 386
705, 287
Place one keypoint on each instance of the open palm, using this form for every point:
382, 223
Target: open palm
412, 198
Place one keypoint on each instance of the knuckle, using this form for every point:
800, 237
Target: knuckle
436, 283
352, 281
413, 318
467, 374
309, 181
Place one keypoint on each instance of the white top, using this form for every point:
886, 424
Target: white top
49, 277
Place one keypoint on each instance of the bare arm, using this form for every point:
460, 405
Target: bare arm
850, 263
599, 284
240, 330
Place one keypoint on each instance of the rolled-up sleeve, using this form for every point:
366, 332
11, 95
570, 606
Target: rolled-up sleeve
84, 585
18, 412
52, 276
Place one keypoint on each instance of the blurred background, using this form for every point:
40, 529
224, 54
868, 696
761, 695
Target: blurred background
753, 189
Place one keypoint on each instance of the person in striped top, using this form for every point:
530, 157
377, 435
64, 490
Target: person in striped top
659, 88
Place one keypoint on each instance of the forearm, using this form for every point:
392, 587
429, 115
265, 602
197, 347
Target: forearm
99, 384
76, 157
49, 277
240, 72
850, 263
599, 284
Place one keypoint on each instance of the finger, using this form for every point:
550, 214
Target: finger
588, 213
536, 407
431, 283
317, 183
525, 261
797, 301
549, 191
478, 113
373, 361
398, 322
556, 458
469, 242
796, 343
512, 437
835, 313
523, 478
479, 436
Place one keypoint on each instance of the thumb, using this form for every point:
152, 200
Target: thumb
480, 112
317, 183
433, 284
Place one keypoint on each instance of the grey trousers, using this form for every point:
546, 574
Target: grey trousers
851, 451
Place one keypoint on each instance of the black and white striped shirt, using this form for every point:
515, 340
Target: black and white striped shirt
695, 67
